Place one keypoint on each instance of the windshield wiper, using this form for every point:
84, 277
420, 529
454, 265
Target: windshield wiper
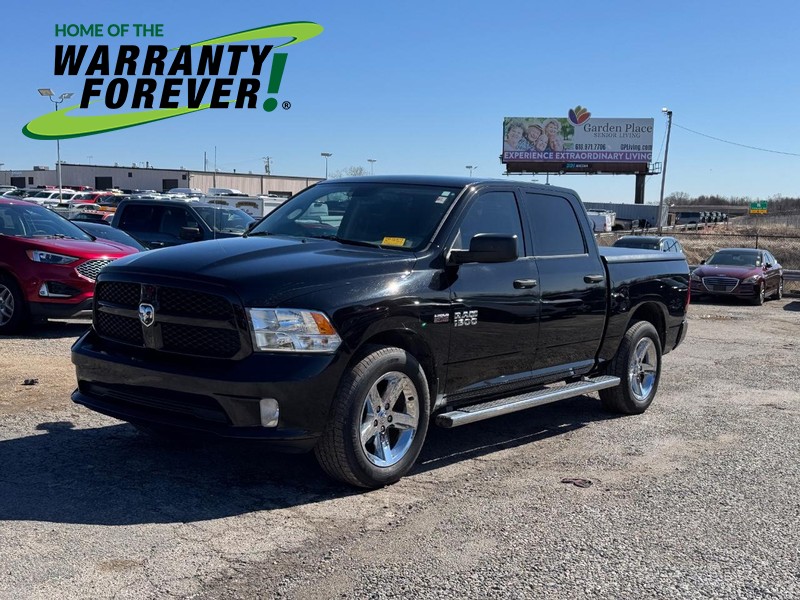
336, 238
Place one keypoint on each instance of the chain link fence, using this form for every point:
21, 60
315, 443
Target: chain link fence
701, 244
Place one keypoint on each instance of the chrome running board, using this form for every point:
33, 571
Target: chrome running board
504, 406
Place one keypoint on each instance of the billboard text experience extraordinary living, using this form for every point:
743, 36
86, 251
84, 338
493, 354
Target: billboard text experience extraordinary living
553, 139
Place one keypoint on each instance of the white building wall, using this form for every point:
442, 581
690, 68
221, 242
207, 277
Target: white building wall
145, 178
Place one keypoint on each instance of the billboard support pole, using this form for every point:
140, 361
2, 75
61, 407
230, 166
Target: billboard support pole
639, 193
661, 214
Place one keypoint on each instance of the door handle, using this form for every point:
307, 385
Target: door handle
522, 284
593, 278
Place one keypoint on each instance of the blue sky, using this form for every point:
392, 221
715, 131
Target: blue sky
422, 87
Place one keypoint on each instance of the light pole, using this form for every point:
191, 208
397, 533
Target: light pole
661, 216
327, 155
371, 162
49, 93
471, 169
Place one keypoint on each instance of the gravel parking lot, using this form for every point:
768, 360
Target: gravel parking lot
697, 498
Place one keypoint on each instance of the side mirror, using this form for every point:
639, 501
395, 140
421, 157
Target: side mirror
487, 248
250, 226
191, 234
702, 262
767, 266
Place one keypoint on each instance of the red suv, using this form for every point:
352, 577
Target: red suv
47, 264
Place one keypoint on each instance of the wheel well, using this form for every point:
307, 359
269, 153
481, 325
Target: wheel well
652, 313
415, 346
7, 273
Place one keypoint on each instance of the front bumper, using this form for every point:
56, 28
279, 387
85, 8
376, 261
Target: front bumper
59, 310
213, 396
742, 290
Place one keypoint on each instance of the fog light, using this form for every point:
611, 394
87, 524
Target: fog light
269, 412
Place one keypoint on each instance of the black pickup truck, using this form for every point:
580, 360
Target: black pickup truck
365, 309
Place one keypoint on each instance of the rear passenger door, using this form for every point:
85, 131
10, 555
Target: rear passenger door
572, 283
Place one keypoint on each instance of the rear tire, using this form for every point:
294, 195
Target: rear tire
378, 420
13, 309
638, 365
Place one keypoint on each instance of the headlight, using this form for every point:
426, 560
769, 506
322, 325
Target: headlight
292, 330
752, 279
696, 277
49, 258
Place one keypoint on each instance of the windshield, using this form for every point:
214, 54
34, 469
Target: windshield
644, 244
33, 221
394, 215
227, 220
735, 259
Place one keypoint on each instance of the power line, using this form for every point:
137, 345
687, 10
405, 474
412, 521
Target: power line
734, 143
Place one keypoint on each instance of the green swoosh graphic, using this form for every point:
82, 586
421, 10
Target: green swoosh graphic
299, 31
60, 125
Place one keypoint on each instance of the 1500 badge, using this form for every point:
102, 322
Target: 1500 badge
465, 317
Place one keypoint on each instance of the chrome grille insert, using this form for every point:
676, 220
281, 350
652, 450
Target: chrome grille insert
720, 284
91, 268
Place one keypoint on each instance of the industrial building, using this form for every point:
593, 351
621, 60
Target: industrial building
136, 177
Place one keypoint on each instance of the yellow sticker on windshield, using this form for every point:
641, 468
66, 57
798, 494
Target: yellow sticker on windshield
392, 241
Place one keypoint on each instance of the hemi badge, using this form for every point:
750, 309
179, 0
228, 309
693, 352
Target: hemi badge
441, 318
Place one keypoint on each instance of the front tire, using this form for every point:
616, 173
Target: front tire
378, 420
760, 295
779, 292
638, 365
13, 310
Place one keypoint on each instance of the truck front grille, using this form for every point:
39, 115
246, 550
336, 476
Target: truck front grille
184, 321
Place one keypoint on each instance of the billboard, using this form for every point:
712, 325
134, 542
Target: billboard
577, 141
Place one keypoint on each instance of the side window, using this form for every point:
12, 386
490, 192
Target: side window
492, 212
140, 217
173, 220
555, 226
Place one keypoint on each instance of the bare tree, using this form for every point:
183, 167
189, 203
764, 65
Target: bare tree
349, 172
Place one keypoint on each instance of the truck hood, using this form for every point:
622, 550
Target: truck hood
264, 271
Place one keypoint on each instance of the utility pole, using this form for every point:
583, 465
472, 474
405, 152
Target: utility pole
661, 215
267, 160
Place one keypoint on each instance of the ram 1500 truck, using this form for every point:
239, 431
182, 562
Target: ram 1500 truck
364, 309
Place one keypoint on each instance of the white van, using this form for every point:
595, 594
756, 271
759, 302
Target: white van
194, 192
224, 192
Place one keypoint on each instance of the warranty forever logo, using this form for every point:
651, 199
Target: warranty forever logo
210, 71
